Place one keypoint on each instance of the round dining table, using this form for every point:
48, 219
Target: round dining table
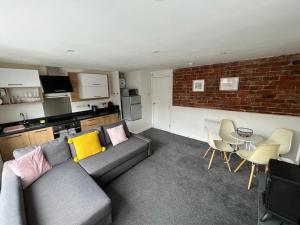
254, 138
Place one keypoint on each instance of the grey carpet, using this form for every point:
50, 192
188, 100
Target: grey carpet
174, 187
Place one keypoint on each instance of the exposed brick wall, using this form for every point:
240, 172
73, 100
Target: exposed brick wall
268, 85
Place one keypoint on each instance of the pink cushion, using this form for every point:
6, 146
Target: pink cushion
30, 166
117, 135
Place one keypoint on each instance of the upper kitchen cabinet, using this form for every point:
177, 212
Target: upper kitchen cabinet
91, 86
11, 78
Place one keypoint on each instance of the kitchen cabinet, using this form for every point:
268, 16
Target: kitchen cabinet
9, 143
19, 78
89, 124
92, 86
40, 136
36, 137
98, 121
112, 118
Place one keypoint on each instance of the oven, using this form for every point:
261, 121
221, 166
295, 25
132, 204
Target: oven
66, 128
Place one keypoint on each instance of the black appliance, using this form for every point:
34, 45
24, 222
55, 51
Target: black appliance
94, 109
129, 92
282, 195
66, 127
56, 84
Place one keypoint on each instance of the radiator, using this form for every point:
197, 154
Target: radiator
213, 126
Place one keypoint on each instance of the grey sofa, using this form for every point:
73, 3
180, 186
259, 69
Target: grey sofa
69, 193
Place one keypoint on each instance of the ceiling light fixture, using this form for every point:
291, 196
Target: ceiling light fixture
155, 52
71, 50
190, 63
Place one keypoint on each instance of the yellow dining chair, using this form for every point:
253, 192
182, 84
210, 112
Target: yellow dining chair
261, 156
219, 146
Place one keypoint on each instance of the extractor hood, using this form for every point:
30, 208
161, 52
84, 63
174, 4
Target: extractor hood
55, 82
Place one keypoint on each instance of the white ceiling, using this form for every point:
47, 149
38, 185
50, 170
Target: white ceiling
122, 35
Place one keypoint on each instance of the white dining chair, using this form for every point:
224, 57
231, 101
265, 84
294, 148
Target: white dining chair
218, 145
260, 156
280, 136
226, 128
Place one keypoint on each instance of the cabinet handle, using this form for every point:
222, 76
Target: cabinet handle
15, 84
93, 124
10, 137
97, 96
96, 84
56, 91
39, 131
91, 120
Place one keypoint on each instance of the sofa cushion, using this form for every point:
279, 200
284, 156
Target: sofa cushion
101, 138
56, 151
86, 145
30, 166
106, 135
66, 195
117, 135
99, 164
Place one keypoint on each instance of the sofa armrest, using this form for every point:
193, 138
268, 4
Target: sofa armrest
12, 210
146, 140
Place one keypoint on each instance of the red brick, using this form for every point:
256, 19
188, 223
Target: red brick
269, 85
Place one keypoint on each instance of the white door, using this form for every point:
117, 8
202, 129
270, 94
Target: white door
161, 102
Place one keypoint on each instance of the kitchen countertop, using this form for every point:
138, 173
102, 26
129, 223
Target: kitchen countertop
56, 120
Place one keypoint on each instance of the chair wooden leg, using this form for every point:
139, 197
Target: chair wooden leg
206, 152
240, 165
211, 159
225, 155
251, 176
227, 161
266, 168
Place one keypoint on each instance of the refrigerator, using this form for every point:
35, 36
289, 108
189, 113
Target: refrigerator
132, 108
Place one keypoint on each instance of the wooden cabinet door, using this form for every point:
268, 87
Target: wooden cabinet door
89, 124
10, 143
41, 136
112, 118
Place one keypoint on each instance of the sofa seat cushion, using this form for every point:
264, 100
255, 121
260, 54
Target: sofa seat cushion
100, 164
65, 195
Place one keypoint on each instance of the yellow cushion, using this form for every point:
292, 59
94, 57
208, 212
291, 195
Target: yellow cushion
86, 145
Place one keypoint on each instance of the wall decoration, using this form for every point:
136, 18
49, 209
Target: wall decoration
229, 84
198, 85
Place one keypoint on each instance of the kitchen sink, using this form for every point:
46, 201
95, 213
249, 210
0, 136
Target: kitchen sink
14, 128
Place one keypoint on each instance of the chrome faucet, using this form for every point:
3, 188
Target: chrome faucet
22, 115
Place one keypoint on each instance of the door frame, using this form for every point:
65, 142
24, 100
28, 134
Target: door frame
161, 74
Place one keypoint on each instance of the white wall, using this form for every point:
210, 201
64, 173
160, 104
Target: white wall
142, 81
189, 122
10, 113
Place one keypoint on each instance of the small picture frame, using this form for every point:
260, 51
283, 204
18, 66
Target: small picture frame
229, 84
198, 85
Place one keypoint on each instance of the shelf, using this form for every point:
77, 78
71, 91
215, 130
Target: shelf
20, 95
